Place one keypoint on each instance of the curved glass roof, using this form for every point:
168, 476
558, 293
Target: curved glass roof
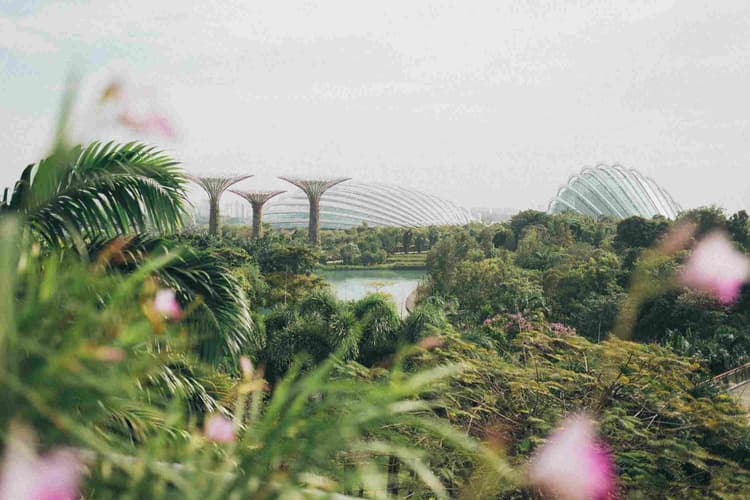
352, 203
614, 191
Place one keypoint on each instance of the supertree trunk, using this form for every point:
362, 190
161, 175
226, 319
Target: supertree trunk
213, 217
314, 190
313, 231
257, 220
257, 199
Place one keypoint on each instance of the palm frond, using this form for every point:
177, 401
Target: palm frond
203, 389
219, 315
222, 318
425, 320
103, 190
320, 302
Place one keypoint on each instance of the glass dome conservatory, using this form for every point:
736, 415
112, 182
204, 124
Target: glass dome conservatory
352, 203
614, 191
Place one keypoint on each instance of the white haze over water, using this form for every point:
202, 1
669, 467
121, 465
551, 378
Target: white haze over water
485, 103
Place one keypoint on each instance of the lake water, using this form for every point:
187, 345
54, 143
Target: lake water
353, 285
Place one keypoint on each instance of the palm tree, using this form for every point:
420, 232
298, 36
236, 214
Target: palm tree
107, 196
101, 191
381, 327
318, 327
426, 319
368, 331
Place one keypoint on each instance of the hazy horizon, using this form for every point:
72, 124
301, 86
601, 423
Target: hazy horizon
486, 104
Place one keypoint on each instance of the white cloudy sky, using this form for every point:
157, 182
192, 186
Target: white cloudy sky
488, 103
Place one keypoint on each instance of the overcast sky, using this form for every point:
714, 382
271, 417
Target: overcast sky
486, 103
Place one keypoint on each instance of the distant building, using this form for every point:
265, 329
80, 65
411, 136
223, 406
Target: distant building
352, 203
232, 211
614, 191
490, 215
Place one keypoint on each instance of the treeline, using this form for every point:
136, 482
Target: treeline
366, 246
576, 271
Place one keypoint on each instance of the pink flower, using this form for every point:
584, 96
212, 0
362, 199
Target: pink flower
572, 464
717, 267
517, 323
60, 474
148, 124
134, 109
219, 429
166, 303
26, 476
160, 125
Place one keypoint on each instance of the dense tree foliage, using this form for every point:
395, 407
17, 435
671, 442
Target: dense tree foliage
576, 271
671, 436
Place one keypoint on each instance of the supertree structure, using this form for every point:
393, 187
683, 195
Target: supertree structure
257, 199
314, 189
214, 186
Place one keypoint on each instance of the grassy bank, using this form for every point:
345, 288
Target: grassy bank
395, 262
373, 267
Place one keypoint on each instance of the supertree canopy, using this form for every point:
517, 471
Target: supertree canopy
257, 199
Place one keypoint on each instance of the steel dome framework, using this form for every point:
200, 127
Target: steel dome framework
353, 203
614, 191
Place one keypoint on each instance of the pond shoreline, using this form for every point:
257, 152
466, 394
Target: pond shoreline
374, 267
355, 284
